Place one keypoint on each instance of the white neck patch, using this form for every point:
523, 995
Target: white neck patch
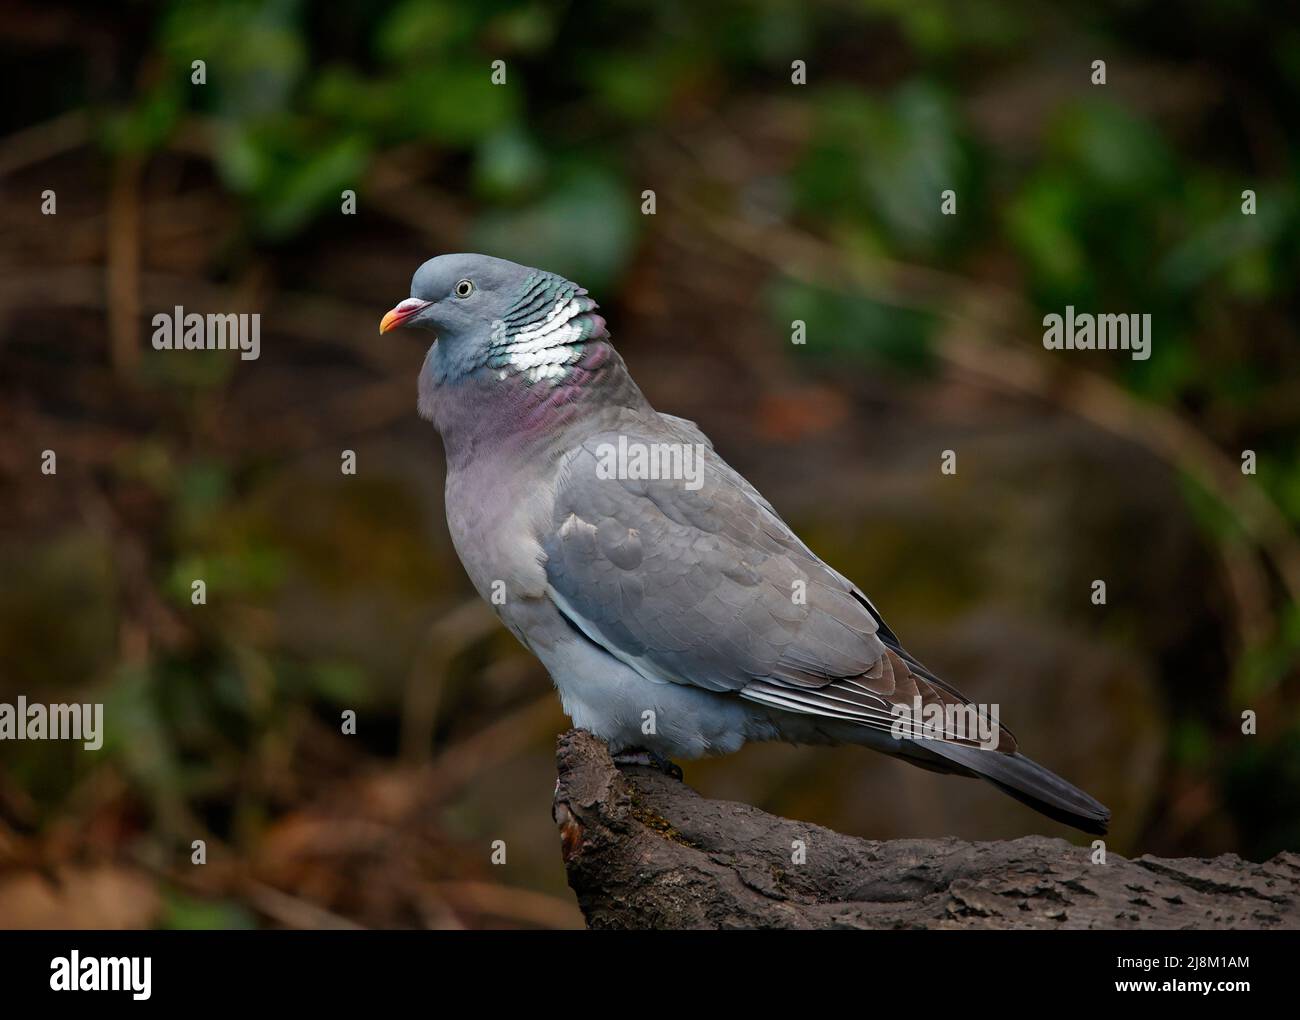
545, 348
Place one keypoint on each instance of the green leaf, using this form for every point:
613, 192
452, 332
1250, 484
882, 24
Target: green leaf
887, 164
456, 103
839, 324
508, 166
184, 912
584, 229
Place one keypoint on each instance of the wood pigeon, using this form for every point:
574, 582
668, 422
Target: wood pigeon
676, 612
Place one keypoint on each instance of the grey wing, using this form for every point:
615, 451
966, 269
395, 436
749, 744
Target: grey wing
708, 586
688, 431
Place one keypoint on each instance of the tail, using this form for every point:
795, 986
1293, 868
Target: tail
1030, 783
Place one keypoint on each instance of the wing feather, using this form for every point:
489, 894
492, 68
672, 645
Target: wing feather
701, 586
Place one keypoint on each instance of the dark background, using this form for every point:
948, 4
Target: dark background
775, 202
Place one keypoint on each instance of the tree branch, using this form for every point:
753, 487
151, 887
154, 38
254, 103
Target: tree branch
644, 850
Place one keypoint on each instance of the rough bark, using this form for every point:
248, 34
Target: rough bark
643, 850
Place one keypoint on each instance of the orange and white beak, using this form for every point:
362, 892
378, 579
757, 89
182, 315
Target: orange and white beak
403, 311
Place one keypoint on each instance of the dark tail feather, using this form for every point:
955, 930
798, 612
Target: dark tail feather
1030, 783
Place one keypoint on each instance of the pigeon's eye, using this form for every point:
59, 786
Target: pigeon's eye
464, 289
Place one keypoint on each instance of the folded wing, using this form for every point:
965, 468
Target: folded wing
708, 586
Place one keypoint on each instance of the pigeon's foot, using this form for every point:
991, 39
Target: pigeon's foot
648, 759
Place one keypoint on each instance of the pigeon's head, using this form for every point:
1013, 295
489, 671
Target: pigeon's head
458, 296
492, 314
